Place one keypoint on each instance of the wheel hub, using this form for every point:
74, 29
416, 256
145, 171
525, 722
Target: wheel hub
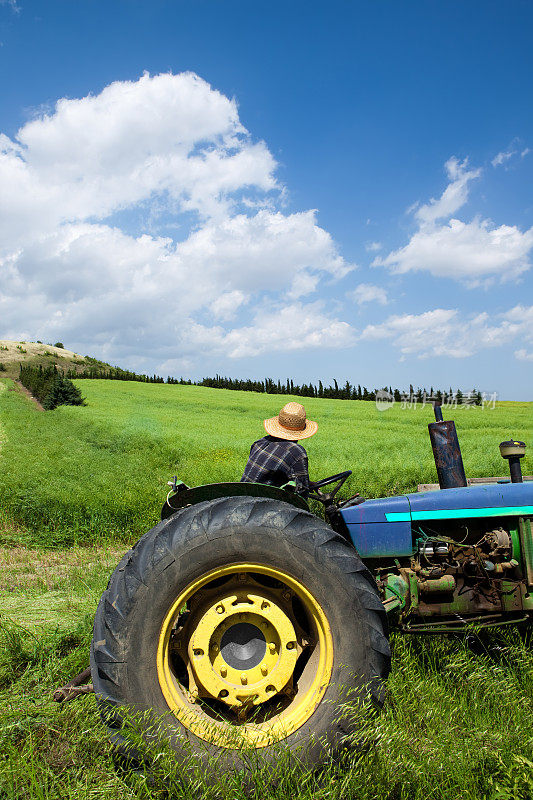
245, 649
241, 648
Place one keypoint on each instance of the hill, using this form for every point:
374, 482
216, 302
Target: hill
12, 354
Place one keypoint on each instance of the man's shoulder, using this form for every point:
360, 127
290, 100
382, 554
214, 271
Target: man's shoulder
297, 449
293, 449
261, 442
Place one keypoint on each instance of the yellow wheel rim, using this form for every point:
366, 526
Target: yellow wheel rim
244, 656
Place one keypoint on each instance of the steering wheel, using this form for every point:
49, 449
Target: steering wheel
324, 497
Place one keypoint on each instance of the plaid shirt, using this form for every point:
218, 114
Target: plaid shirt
277, 461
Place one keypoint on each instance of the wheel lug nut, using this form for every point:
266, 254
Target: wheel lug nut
214, 648
264, 669
244, 678
272, 647
223, 671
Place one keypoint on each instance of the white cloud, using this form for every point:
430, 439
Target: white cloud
467, 251
454, 196
475, 252
78, 263
502, 158
170, 136
226, 305
284, 329
523, 355
445, 332
372, 247
368, 293
13, 5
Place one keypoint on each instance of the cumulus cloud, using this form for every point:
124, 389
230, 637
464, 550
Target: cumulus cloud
449, 333
475, 252
372, 247
369, 293
79, 261
288, 328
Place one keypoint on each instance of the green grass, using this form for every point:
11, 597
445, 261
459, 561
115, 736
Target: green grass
100, 472
78, 484
456, 725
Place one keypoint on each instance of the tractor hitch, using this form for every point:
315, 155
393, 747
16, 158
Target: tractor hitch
74, 687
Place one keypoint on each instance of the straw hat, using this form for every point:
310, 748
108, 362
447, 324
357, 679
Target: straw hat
291, 423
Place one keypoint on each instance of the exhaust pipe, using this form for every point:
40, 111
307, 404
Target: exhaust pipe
446, 452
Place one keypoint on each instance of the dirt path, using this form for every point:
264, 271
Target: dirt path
28, 394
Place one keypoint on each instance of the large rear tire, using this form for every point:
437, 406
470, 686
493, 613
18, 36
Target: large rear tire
241, 617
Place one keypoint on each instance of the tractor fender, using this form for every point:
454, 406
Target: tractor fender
186, 496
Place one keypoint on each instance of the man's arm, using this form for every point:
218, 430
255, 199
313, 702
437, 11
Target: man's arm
300, 473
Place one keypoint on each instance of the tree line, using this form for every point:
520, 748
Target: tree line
346, 391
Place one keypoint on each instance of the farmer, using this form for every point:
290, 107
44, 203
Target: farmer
278, 458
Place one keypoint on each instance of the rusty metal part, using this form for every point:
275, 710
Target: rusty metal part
526, 542
447, 454
460, 624
446, 583
74, 688
512, 564
500, 539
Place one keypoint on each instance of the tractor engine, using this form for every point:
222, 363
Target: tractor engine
463, 576
460, 554
473, 576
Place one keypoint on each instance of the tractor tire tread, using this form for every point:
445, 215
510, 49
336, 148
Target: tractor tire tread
194, 526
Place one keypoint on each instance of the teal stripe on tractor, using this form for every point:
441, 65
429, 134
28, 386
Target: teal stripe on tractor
460, 513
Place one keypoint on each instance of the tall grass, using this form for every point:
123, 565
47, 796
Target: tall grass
99, 473
456, 726
457, 721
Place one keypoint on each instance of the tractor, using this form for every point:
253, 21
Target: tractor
243, 619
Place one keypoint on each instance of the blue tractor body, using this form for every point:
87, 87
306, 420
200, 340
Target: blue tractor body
388, 527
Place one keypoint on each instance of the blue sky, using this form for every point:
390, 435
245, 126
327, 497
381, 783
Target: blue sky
269, 212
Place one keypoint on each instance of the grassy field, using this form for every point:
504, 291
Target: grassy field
77, 485
92, 474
